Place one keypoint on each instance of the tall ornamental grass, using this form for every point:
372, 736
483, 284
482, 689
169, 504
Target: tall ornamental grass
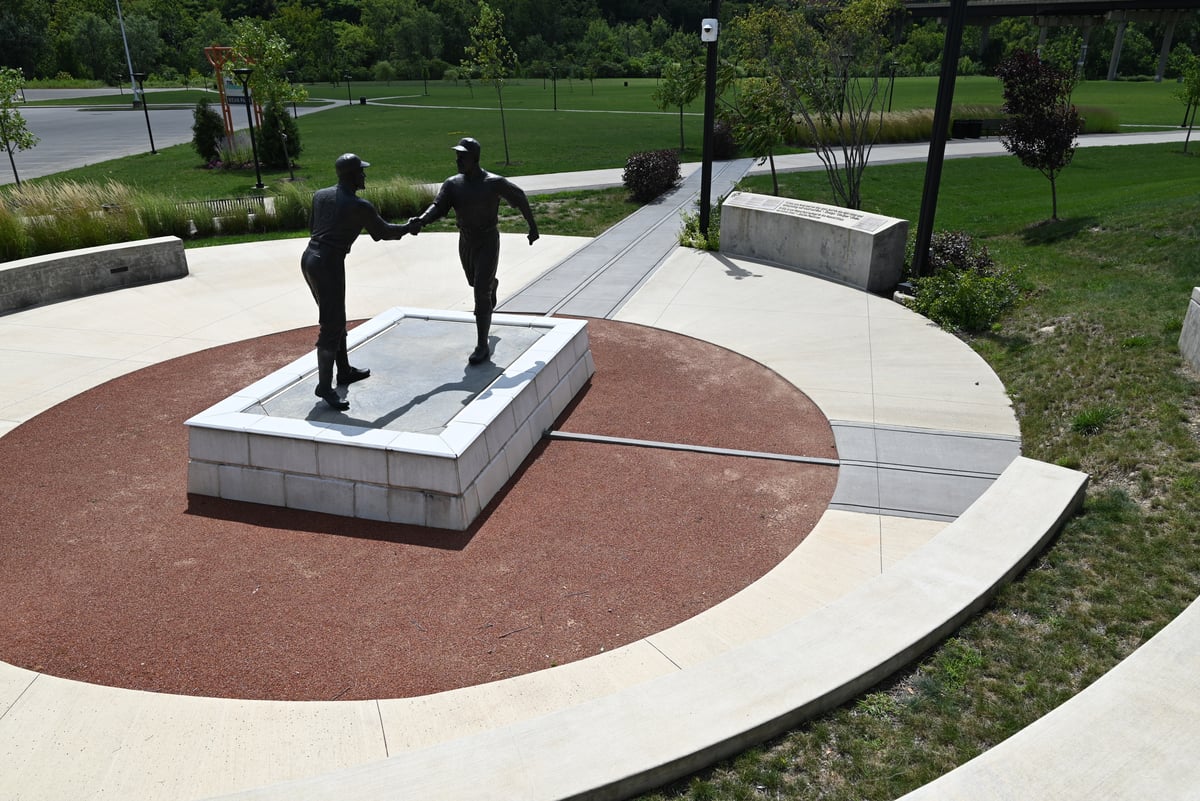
52, 217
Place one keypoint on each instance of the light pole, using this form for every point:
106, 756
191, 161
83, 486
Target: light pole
125, 41
346, 78
243, 74
139, 77
709, 30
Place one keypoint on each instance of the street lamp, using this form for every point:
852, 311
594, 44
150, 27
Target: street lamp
139, 77
346, 78
243, 74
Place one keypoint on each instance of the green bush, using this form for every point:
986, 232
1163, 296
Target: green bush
724, 146
647, 175
691, 237
208, 129
278, 123
965, 301
967, 291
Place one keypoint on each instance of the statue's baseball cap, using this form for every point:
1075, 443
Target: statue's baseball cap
468, 145
349, 162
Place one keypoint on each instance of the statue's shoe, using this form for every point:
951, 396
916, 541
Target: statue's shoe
355, 374
331, 397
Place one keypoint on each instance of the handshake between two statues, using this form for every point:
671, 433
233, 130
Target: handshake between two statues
339, 216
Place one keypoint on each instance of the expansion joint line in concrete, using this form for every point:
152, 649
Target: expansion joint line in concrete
672, 205
668, 217
677, 446
20, 695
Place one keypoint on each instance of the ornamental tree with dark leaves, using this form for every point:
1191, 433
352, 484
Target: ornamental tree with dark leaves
1042, 126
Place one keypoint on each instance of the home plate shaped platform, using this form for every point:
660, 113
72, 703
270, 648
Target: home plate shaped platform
428, 439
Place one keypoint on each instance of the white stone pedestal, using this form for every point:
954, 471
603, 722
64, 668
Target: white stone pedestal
254, 446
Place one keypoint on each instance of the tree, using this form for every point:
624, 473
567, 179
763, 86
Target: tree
489, 56
1189, 94
13, 132
208, 129
1042, 125
828, 63
23, 33
681, 83
763, 121
279, 138
269, 55
96, 46
384, 71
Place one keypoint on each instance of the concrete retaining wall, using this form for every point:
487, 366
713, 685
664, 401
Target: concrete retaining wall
852, 247
74, 273
1189, 338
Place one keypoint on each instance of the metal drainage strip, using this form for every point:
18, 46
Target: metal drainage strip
676, 446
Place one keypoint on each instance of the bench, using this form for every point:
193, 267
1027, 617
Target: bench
75, 273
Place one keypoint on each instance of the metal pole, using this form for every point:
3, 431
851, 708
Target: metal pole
892, 85
128, 60
243, 74
139, 77
349, 99
710, 105
937, 143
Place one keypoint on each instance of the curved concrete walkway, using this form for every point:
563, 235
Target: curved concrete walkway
669, 703
862, 358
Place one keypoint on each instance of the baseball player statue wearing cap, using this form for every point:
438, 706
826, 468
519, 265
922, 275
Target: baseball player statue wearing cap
475, 194
338, 217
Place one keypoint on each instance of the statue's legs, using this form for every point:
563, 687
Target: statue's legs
480, 254
325, 390
325, 273
345, 373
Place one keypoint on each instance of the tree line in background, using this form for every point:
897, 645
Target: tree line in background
413, 39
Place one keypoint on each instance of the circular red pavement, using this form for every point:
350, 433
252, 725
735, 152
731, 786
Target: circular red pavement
111, 573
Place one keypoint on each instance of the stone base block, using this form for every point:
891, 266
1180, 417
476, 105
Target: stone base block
428, 440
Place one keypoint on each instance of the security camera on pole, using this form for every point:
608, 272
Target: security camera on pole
709, 28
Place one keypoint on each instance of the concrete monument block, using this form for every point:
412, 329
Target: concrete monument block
851, 247
75, 273
1189, 338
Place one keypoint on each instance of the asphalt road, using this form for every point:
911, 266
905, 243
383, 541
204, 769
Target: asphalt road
76, 136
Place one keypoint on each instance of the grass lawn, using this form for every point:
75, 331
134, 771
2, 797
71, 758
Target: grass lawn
414, 144
407, 133
1092, 363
